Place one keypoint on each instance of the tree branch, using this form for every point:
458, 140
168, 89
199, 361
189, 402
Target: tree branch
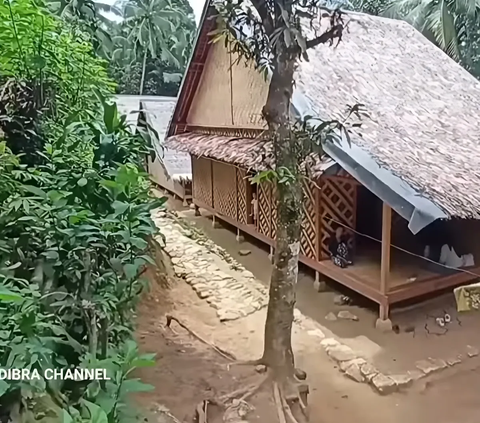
262, 9
335, 32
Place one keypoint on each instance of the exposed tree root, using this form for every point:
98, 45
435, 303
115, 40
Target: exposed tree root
278, 403
255, 389
290, 408
246, 363
284, 407
201, 411
245, 392
218, 350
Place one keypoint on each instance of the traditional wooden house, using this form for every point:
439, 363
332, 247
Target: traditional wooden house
171, 169
414, 161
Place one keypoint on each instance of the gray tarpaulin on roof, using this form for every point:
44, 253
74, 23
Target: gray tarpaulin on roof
400, 196
412, 206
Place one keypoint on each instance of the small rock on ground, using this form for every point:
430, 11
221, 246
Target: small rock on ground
353, 372
341, 353
300, 374
472, 351
244, 252
454, 361
331, 317
383, 384
260, 368
402, 380
368, 371
341, 300
431, 365
347, 315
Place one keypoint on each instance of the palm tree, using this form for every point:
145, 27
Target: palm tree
156, 28
90, 16
445, 22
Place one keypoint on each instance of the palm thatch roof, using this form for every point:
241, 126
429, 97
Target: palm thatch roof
251, 153
423, 127
423, 107
157, 113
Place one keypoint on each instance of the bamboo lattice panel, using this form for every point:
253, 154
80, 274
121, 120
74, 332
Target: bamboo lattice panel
309, 232
274, 212
338, 203
202, 180
225, 189
242, 182
264, 224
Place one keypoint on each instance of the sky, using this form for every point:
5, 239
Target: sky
197, 6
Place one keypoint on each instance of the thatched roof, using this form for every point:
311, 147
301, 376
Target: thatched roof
423, 107
249, 153
158, 112
129, 105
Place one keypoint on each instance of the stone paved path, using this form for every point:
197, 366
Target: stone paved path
226, 285
234, 293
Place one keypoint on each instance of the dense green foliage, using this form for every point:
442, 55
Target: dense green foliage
147, 46
74, 222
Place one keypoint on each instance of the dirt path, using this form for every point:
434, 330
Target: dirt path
187, 371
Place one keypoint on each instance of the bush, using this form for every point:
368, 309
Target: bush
75, 223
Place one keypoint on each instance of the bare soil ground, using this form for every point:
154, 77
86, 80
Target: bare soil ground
187, 371
390, 352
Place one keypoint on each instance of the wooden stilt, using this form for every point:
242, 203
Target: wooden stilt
383, 321
197, 210
319, 285
270, 256
239, 236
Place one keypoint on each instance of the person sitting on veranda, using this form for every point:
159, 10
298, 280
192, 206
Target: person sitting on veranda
340, 248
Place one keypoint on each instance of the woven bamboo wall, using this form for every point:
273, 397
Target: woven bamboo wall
225, 189
249, 95
228, 96
202, 180
265, 196
338, 200
308, 240
242, 207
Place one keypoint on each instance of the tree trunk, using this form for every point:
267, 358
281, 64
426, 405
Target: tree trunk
278, 354
144, 65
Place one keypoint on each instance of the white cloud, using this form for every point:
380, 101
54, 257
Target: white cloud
197, 6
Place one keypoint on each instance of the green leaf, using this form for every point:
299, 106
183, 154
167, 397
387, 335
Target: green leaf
3, 387
35, 190
131, 271
13, 266
134, 385
106, 401
9, 296
82, 182
139, 242
51, 255
110, 116
97, 415
67, 418
120, 207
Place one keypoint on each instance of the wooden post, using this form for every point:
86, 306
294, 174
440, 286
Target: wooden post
385, 265
386, 241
